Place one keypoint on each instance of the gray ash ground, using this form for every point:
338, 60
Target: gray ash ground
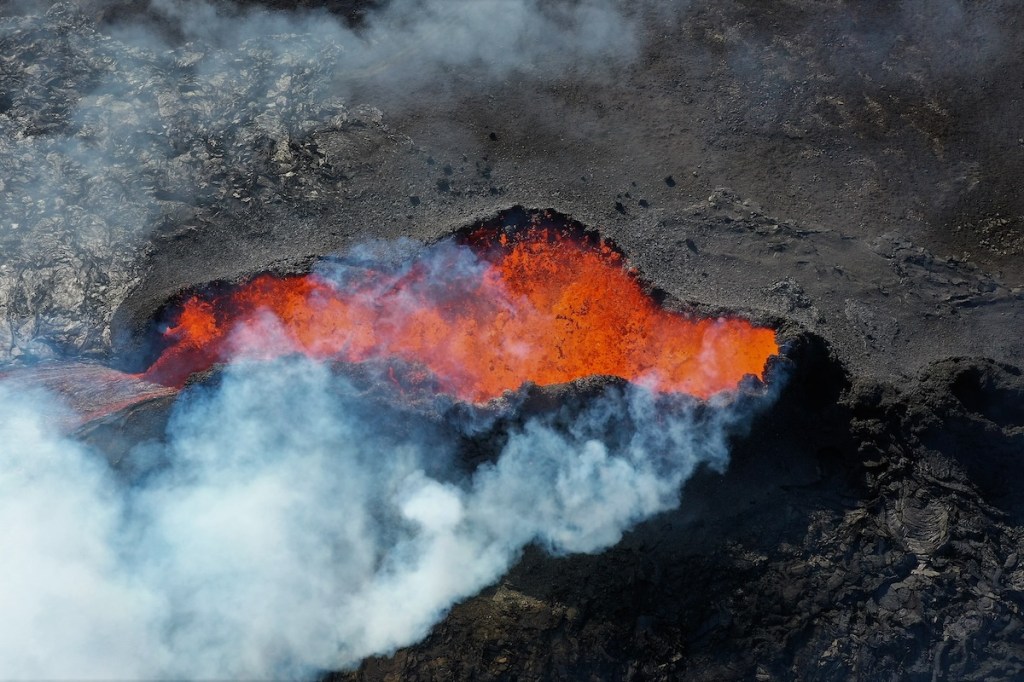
870, 526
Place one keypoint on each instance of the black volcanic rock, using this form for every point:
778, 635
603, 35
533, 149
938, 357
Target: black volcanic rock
838, 545
869, 526
107, 147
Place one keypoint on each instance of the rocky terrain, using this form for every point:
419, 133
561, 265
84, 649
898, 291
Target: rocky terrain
845, 171
854, 537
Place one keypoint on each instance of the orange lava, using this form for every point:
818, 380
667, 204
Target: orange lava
542, 305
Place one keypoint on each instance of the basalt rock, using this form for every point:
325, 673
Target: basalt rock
837, 545
108, 146
869, 525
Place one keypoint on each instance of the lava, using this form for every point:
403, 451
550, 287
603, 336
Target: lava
480, 314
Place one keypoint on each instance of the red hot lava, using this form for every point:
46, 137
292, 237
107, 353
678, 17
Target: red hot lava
545, 304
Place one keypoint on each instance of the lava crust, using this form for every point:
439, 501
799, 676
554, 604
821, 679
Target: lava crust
843, 174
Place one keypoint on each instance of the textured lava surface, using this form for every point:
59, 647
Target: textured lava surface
850, 168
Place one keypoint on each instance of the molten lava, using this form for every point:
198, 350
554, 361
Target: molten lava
480, 315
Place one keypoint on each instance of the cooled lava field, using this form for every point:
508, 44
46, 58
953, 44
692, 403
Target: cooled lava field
512, 340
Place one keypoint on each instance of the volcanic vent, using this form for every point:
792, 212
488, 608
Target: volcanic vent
527, 297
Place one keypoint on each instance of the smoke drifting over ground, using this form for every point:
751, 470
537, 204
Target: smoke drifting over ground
121, 133
283, 529
288, 528
292, 523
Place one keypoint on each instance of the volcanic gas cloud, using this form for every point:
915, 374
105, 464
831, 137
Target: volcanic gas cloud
477, 315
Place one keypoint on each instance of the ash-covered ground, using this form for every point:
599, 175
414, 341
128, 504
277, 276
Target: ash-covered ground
847, 171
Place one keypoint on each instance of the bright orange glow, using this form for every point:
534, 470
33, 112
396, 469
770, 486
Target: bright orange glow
542, 305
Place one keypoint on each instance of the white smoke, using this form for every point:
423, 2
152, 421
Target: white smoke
291, 528
114, 132
72, 606
402, 51
285, 527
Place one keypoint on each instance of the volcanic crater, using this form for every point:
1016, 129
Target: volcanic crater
527, 296
845, 504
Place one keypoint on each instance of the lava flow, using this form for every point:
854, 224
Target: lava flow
481, 314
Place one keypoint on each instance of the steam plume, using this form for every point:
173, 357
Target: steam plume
287, 527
